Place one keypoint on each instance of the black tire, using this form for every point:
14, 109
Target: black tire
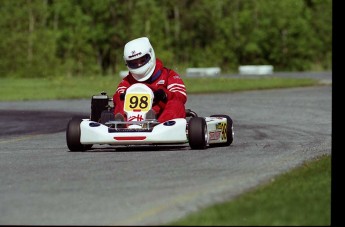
229, 131
190, 113
197, 133
73, 136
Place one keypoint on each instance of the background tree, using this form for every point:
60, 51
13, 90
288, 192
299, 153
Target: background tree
43, 38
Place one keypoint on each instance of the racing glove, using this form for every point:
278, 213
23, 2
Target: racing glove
160, 95
122, 96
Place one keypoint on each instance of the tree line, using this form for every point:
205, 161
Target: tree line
43, 38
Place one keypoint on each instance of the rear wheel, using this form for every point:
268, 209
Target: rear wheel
229, 130
190, 113
73, 136
197, 133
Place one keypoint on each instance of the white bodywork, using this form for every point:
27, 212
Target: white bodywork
160, 134
138, 101
96, 133
216, 129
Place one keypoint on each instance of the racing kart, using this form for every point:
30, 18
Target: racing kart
103, 129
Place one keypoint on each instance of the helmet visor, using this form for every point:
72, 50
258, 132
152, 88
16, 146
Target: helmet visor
137, 63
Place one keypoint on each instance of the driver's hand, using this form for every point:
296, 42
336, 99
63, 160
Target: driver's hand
122, 96
160, 95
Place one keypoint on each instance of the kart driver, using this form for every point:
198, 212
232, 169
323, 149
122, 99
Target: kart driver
169, 90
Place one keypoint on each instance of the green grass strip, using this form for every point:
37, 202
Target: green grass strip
12, 89
299, 197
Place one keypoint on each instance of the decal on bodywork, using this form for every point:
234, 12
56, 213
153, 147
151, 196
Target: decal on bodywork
215, 135
219, 126
220, 133
137, 102
224, 130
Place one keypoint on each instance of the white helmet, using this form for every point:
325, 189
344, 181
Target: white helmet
140, 58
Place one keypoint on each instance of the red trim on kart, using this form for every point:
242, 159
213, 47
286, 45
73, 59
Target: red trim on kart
130, 137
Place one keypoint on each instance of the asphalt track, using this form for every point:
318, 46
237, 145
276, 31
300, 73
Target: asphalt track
44, 184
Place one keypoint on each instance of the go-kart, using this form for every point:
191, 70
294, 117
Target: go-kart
102, 128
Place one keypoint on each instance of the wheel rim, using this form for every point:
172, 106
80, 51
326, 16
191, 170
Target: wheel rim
206, 134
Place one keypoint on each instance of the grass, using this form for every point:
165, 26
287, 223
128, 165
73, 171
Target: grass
299, 197
12, 89
223, 84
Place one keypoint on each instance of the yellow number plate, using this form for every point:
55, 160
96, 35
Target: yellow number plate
137, 102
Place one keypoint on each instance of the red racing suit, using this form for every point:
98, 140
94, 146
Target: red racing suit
162, 78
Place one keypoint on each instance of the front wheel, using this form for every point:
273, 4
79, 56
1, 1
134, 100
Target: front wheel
197, 133
73, 136
229, 130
